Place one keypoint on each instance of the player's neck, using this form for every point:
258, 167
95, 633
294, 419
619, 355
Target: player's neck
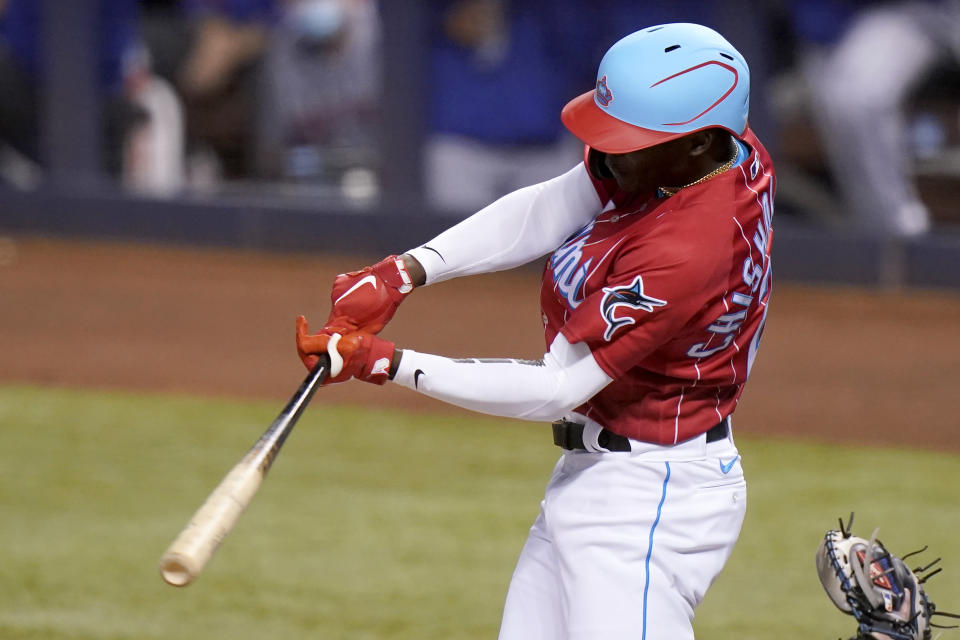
706, 166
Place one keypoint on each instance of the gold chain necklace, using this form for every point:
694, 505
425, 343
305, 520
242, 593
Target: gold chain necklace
669, 191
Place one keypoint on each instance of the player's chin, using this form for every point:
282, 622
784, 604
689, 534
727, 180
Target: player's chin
625, 182
635, 184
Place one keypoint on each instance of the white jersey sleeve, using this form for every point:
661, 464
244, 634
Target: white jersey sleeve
539, 390
519, 227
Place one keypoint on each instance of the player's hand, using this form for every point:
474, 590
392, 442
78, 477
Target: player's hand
366, 300
356, 354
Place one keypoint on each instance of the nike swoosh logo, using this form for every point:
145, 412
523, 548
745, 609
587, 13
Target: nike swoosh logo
726, 467
416, 378
371, 280
436, 252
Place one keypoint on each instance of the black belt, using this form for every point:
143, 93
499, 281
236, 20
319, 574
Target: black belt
569, 435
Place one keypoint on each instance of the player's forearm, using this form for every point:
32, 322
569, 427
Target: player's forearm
539, 390
514, 230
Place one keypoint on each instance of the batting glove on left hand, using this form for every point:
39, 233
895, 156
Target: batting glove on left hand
367, 299
358, 354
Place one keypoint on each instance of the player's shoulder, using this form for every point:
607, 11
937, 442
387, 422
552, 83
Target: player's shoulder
672, 235
693, 230
680, 262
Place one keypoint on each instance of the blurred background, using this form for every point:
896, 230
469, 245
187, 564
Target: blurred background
180, 178
262, 123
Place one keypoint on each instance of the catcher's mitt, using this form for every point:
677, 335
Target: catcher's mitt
885, 596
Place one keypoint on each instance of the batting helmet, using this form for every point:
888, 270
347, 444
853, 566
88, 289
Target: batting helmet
661, 83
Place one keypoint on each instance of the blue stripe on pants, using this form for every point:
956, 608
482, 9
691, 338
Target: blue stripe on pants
646, 587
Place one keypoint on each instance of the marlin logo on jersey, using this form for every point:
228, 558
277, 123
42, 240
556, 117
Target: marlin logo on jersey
631, 296
603, 94
569, 275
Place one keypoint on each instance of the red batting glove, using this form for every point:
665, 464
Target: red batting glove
358, 354
366, 300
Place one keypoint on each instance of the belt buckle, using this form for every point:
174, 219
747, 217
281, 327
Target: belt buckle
573, 436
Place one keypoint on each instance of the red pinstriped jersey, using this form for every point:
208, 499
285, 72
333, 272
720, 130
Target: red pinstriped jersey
670, 294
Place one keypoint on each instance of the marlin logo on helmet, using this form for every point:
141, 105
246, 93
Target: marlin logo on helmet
603, 94
631, 296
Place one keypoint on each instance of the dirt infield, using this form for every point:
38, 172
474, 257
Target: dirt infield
836, 364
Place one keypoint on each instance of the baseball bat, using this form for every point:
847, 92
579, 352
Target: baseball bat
192, 549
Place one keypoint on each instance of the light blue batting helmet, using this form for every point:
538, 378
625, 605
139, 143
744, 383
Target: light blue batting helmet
661, 83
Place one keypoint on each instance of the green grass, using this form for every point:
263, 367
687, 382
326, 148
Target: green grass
377, 524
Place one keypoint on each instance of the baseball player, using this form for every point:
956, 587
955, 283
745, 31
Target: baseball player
654, 296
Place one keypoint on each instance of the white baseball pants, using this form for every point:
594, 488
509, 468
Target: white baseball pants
626, 544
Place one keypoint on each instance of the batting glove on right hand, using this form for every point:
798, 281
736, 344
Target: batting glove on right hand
366, 300
357, 354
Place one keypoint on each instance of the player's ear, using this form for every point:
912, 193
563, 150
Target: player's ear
701, 141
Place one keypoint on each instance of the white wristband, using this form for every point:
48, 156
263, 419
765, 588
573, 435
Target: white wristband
407, 285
